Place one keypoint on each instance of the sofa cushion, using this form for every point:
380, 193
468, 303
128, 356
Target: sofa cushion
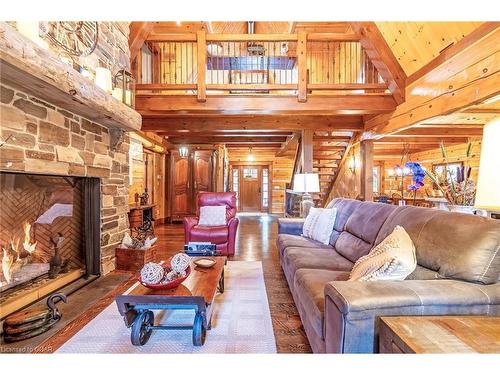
309, 287
295, 258
455, 245
362, 228
345, 208
216, 235
291, 240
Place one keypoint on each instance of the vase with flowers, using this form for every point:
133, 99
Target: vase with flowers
456, 186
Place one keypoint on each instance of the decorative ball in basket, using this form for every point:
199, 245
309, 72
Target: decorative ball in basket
166, 276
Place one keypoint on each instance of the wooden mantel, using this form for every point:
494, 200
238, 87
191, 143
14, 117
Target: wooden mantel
29, 68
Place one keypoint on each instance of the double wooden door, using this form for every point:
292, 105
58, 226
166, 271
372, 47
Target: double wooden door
188, 176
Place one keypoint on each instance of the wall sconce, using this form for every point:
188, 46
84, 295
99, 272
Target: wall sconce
183, 152
390, 172
103, 79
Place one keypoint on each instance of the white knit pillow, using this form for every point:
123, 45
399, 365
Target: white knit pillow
212, 216
392, 259
319, 224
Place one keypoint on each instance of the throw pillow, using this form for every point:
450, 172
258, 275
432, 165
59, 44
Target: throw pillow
392, 259
319, 224
212, 216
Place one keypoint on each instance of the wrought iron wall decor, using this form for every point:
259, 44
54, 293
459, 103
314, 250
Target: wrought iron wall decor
78, 38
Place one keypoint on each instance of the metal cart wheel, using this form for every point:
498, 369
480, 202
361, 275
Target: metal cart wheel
199, 330
141, 328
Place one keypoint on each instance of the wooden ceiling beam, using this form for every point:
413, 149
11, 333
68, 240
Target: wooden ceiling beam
254, 146
251, 123
226, 140
266, 104
290, 144
450, 132
139, 32
383, 59
331, 138
468, 78
419, 140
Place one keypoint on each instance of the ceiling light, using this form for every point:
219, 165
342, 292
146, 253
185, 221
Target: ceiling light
183, 152
178, 23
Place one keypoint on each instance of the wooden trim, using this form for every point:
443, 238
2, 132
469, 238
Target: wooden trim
453, 50
302, 66
383, 59
201, 45
187, 37
366, 156
251, 37
347, 86
337, 37
165, 86
307, 150
252, 86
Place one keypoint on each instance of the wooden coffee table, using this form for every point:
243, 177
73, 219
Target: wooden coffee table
196, 293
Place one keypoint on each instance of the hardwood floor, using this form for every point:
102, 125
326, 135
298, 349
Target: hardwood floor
256, 240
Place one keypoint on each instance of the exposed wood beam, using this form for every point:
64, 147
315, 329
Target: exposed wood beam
254, 146
139, 32
227, 140
441, 132
307, 150
383, 59
333, 138
453, 50
267, 104
468, 78
290, 143
366, 155
250, 123
419, 140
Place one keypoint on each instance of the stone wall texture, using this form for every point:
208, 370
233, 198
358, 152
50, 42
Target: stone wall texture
39, 137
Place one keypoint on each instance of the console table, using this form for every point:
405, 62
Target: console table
439, 334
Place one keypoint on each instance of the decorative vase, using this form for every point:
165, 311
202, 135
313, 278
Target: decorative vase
461, 209
402, 202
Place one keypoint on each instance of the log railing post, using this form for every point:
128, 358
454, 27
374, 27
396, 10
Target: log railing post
202, 65
302, 65
366, 156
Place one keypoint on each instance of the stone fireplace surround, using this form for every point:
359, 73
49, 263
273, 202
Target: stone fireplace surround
45, 139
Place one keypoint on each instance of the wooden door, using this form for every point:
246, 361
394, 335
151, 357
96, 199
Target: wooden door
250, 194
202, 171
180, 187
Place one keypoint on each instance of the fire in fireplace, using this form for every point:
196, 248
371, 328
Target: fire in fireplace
49, 231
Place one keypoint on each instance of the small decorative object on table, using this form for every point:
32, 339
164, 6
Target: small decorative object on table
200, 249
205, 262
163, 276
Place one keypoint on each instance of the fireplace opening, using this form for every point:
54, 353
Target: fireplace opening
49, 235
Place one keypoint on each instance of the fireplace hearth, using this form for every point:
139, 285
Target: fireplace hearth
49, 235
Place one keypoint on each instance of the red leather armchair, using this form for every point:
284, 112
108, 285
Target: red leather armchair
222, 236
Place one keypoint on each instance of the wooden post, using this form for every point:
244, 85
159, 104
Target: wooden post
307, 151
302, 65
366, 155
202, 64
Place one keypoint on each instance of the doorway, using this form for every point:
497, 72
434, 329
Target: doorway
251, 185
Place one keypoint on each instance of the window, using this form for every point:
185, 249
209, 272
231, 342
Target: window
447, 174
376, 179
236, 184
265, 188
250, 173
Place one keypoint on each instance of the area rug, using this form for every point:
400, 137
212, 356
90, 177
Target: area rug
241, 323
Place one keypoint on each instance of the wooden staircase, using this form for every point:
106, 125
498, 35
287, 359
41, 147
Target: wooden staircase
328, 150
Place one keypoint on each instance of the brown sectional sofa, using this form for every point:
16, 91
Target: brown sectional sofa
458, 271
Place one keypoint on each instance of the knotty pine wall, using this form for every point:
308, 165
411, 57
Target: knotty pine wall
456, 153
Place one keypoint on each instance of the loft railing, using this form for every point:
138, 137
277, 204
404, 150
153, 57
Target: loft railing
279, 64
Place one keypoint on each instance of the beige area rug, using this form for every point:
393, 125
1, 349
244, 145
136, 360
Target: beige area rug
241, 323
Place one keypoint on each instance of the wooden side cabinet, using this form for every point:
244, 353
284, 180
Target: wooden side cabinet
439, 334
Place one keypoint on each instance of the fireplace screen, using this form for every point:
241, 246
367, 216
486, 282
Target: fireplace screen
42, 225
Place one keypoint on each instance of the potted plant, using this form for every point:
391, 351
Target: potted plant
459, 190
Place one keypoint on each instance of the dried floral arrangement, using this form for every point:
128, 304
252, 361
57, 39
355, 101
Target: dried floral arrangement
129, 242
460, 191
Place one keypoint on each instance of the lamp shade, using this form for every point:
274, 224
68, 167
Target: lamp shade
488, 192
306, 183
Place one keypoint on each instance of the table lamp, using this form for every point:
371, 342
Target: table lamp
306, 183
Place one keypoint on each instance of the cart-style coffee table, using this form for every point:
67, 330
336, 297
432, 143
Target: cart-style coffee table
197, 292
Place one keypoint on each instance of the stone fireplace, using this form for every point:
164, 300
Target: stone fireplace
64, 165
